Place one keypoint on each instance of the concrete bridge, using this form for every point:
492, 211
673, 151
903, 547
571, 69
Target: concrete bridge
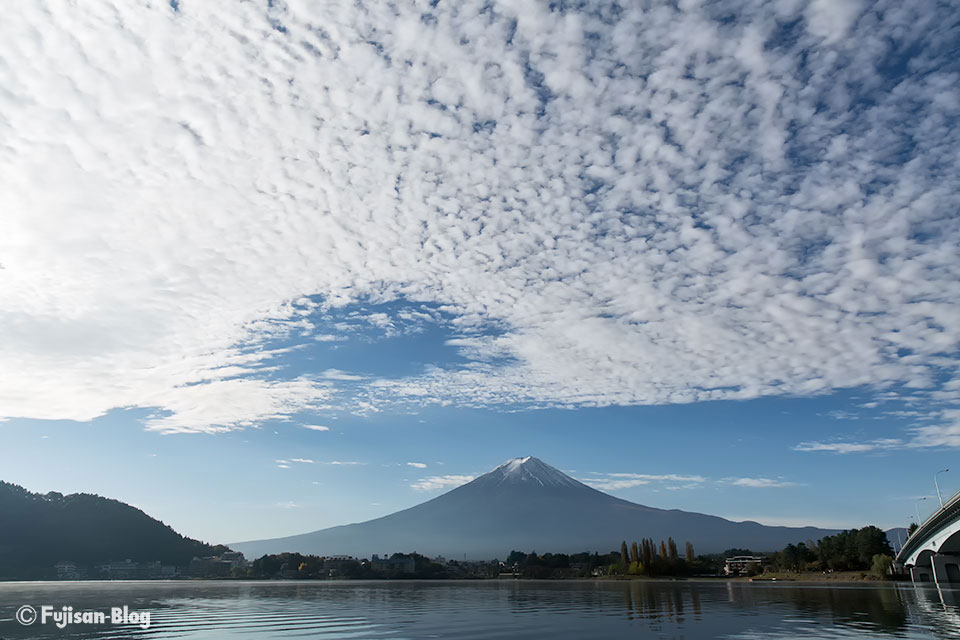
932, 553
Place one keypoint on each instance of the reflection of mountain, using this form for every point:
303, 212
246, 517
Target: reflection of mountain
38, 530
527, 504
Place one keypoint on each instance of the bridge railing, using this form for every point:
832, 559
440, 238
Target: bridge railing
946, 503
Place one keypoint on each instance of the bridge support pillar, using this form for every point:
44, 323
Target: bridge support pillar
921, 574
946, 569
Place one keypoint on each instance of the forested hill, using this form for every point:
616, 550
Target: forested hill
38, 530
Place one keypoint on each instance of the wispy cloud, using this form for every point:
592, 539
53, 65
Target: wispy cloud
345, 463
851, 447
286, 463
441, 482
673, 481
288, 505
418, 465
316, 427
761, 483
945, 432
615, 481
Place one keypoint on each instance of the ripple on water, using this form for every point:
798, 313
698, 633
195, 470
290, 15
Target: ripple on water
491, 610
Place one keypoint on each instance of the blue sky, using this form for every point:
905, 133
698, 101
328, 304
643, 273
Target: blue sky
701, 255
735, 458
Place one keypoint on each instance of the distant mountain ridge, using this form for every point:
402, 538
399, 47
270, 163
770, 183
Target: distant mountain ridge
526, 504
38, 530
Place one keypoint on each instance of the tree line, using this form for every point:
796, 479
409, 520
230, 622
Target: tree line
306, 566
865, 549
647, 558
558, 565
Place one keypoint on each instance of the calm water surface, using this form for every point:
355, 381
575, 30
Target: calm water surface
492, 609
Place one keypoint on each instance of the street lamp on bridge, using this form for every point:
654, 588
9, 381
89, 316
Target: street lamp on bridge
916, 506
939, 497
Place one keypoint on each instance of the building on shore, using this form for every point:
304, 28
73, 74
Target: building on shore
129, 570
739, 565
169, 572
149, 570
209, 567
235, 558
221, 566
119, 570
393, 565
69, 570
335, 565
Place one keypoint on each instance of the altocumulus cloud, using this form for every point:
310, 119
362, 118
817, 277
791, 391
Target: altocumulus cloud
652, 204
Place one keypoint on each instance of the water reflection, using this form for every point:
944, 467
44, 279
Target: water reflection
938, 610
495, 609
870, 609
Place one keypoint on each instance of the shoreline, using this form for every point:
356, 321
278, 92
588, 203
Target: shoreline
844, 581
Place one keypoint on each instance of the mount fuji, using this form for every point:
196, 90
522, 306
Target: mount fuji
526, 504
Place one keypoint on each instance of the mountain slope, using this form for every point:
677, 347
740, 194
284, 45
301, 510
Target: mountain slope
527, 504
39, 530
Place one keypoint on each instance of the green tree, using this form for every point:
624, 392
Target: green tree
646, 553
754, 569
690, 556
634, 553
850, 550
793, 557
881, 565
663, 550
624, 556
672, 548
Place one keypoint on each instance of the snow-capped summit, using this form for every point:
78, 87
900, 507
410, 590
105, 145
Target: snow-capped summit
528, 470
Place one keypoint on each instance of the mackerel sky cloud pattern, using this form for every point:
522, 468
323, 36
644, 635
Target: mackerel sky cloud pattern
650, 204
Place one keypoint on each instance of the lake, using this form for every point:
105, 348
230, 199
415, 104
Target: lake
204, 610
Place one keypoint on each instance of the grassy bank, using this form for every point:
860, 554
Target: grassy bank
814, 576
